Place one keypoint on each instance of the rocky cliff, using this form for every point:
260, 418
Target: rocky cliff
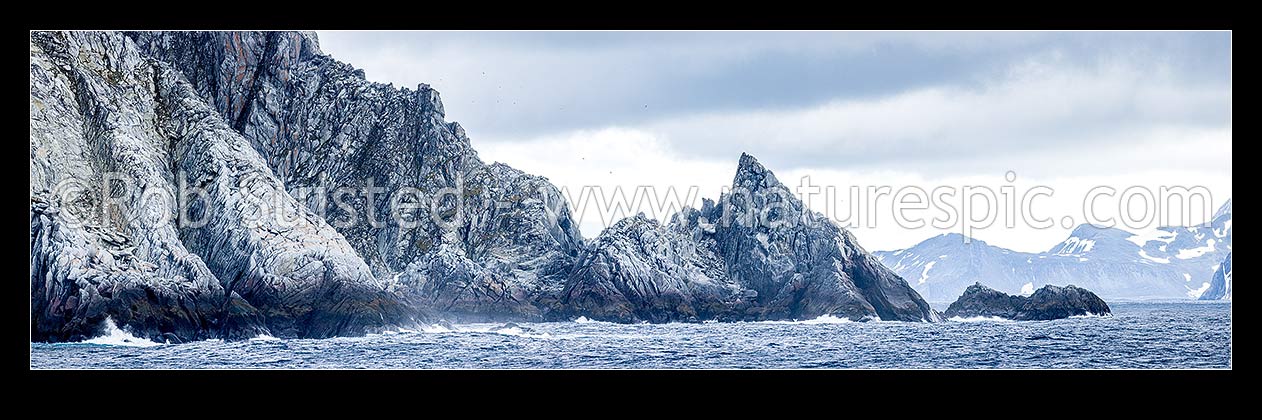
129, 130
324, 204
494, 238
1048, 302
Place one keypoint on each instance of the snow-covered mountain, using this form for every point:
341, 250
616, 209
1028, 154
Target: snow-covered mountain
1162, 263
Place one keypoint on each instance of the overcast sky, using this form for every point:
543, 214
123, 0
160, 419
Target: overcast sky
1068, 110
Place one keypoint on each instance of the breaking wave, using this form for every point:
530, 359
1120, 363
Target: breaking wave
979, 319
435, 329
399, 330
1189, 335
822, 319
117, 337
1091, 315
518, 332
514, 330
586, 320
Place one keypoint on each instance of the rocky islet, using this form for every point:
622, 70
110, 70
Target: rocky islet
1047, 303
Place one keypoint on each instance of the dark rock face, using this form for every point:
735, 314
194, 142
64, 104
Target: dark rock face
980, 300
101, 108
639, 270
1054, 302
446, 279
757, 254
74, 289
501, 238
800, 263
1048, 302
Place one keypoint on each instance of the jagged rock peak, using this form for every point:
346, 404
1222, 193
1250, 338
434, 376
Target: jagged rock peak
799, 262
752, 175
431, 101
314, 39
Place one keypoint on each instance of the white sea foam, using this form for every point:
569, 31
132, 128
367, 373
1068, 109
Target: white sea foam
518, 332
117, 337
979, 319
436, 329
264, 337
485, 329
396, 331
586, 320
827, 319
1091, 315
822, 319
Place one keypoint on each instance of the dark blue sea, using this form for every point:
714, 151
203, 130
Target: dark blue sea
1137, 335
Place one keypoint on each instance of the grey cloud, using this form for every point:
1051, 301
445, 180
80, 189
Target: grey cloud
528, 83
1003, 95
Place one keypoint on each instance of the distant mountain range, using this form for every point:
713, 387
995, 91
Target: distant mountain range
1163, 263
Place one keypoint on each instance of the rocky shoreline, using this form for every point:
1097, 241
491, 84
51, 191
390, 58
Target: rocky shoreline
263, 122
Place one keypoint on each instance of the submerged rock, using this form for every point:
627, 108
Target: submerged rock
1048, 302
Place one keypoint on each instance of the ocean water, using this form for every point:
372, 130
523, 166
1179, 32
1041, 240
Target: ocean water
1137, 335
